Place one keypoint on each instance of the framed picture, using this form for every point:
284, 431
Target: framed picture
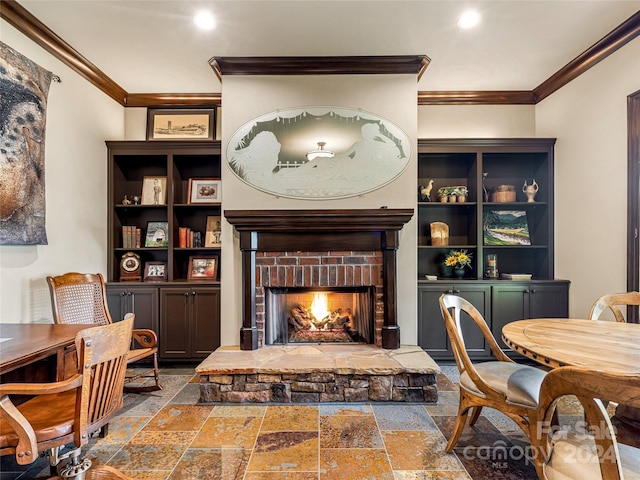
157, 234
180, 124
213, 232
203, 268
205, 190
155, 272
154, 191
506, 227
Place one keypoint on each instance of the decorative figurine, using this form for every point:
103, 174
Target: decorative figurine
530, 190
136, 200
485, 192
425, 192
126, 201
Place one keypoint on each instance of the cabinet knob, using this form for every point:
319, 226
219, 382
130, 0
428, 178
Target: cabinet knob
526, 290
450, 290
456, 291
186, 294
533, 290
129, 293
193, 292
122, 294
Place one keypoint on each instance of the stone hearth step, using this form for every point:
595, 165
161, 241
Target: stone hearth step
318, 373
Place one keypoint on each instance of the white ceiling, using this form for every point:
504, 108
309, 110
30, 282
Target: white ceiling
151, 46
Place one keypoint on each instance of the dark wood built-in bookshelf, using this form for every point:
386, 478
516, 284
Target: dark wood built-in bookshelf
185, 313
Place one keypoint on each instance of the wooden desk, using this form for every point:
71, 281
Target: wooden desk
598, 346
36, 352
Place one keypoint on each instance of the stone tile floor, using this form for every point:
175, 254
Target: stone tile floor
166, 436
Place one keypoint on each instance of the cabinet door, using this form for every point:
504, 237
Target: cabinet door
205, 321
118, 302
509, 303
143, 301
432, 335
521, 301
175, 306
549, 301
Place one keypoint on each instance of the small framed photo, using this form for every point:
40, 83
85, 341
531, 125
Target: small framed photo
180, 124
203, 268
155, 272
213, 232
205, 190
157, 234
154, 191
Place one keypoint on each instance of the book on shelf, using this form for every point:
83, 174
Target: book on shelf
182, 237
129, 236
138, 240
516, 276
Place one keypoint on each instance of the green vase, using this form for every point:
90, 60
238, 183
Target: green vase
458, 272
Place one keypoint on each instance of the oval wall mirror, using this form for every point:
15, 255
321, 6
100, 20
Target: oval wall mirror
318, 152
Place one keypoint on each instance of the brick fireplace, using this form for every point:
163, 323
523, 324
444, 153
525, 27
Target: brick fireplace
319, 248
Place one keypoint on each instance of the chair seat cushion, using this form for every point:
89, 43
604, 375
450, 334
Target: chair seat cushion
39, 411
519, 383
139, 353
575, 457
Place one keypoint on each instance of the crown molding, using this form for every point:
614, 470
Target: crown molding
350, 65
25, 22
173, 99
481, 97
22, 20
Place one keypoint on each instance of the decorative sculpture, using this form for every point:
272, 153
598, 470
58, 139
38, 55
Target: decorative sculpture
530, 190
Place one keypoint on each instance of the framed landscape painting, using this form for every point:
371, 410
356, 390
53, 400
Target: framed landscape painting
506, 227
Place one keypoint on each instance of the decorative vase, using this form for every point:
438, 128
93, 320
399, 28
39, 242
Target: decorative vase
446, 271
462, 198
458, 272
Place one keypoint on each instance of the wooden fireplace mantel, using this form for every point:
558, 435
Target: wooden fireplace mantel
319, 230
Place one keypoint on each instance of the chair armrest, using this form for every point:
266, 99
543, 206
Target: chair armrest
40, 388
144, 337
27, 448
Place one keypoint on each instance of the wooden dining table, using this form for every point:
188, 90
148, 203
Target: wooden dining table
595, 345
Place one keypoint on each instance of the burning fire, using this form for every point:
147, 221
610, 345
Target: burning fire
319, 307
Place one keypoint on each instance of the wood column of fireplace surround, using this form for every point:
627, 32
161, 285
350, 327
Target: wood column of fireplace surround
318, 230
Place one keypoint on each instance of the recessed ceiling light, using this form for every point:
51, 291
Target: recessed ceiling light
469, 19
204, 20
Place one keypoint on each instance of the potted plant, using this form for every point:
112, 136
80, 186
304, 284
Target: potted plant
458, 259
445, 193
461, 192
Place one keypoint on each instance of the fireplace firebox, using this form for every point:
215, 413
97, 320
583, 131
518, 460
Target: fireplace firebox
319, 315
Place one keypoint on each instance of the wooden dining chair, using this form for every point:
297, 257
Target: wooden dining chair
502, 384
592, 451
81, 298
613, 302
68, 411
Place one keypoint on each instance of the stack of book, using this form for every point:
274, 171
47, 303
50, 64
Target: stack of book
131, 236
188, 238
516, 276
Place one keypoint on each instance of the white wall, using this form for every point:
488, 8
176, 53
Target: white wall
79, 120
589, 119
391, 96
